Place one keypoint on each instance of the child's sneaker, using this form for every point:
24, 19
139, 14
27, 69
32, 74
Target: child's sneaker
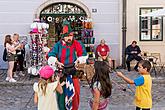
7, 78
12, 80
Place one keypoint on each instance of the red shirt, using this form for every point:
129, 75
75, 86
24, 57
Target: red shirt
103, 50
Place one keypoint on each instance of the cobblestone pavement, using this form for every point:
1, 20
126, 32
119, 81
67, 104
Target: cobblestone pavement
19, 96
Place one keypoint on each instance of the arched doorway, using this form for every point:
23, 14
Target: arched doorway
54, 12
50, 2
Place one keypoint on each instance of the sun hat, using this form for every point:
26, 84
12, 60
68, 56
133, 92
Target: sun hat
46, 72
67, 30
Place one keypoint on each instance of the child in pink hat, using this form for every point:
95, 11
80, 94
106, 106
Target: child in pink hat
45, 89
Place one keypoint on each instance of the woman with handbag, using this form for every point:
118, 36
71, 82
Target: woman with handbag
11, 52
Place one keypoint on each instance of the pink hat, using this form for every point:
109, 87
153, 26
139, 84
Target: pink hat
46, 72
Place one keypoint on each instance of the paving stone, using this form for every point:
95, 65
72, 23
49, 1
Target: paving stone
19, 96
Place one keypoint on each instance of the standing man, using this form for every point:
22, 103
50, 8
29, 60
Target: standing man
20, 53
133, 52
66, 51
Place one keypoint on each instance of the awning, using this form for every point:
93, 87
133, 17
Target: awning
157, 13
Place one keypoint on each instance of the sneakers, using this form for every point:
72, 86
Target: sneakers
12, 80
21, 73
7, 78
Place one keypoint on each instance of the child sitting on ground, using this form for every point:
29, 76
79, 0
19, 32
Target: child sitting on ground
143, 98
101, 86
45, 89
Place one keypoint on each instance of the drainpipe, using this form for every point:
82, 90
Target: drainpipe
124, 29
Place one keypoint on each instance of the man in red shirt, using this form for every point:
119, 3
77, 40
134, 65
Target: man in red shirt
102, 51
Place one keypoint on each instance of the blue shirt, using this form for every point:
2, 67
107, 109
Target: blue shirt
139, 81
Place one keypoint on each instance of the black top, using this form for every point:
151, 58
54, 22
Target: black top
129, 49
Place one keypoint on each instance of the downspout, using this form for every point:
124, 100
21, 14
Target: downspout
124, 29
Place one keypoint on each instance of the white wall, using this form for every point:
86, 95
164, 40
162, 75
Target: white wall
133, 26
107, 23
17, 15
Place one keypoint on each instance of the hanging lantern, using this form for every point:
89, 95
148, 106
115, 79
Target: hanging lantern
38, 27
34, 27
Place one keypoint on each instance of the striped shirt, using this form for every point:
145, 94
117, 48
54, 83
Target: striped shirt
68, 54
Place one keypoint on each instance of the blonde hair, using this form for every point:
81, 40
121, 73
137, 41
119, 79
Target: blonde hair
42, 84
15, 34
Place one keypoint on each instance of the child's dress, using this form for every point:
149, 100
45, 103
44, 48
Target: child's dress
49, 101
103, 102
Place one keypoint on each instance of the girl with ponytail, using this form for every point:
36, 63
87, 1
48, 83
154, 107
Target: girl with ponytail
45, 89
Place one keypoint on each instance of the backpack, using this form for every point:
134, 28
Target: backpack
5, 55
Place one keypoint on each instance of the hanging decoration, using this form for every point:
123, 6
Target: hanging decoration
88, 37
38, 46
50, 19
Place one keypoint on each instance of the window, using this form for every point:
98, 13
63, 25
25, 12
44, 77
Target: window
151, 28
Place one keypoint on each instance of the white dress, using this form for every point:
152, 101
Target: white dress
49, 101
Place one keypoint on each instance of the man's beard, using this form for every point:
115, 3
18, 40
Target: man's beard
69, 42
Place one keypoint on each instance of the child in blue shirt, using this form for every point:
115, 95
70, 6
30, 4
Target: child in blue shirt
143, 98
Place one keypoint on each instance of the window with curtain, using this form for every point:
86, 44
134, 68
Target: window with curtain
151, 28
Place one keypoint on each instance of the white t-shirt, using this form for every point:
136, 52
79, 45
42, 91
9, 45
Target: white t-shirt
97, 85
49, 101
9, 47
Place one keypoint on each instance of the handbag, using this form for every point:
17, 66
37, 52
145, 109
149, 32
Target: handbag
5, 55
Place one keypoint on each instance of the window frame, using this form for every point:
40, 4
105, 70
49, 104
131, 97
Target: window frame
151, 29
